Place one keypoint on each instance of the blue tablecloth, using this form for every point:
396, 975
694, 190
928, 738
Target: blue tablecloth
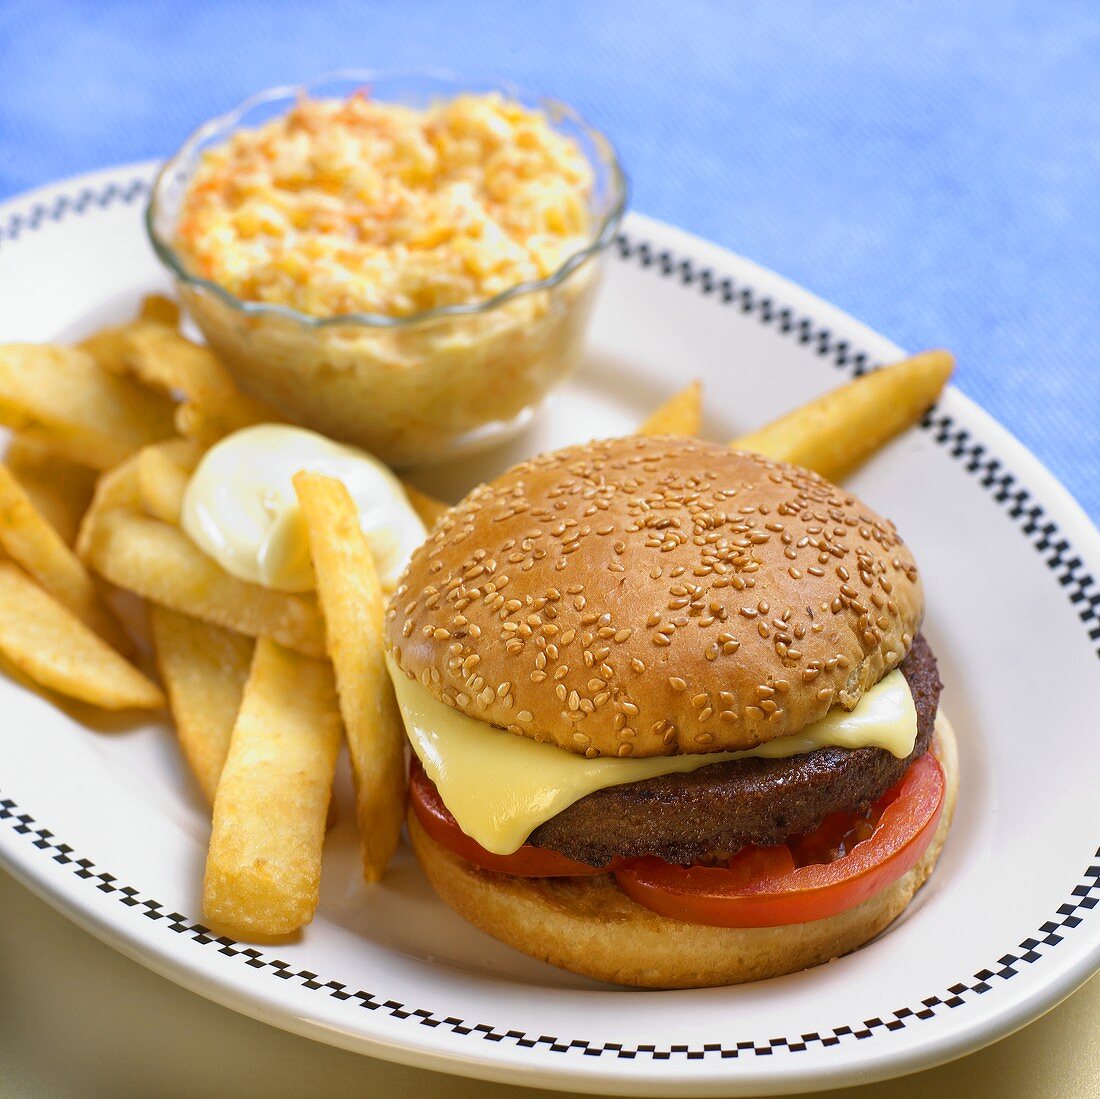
934, 168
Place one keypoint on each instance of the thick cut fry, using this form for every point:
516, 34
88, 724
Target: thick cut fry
839, 431
133, 485
204, 669
163, 472
59, 488
48, 643
162, 358
117, 488
427, 507
681, 414
63, 397
156, 307
31, 542
212, 405
162, 484
353, 605
160, 563
207, 423
108, 348
263, 869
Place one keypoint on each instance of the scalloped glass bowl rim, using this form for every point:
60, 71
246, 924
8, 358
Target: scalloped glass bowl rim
228, 121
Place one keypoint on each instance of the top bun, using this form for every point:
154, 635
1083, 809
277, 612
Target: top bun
650, 596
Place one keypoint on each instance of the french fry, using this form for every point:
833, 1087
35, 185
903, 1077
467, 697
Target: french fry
207, 423
352, 604
681, 414
49, 644
263, 867
61, 396
108, 346
160, 563
59, 488
163, 470
212, 404
427, 507
117, 488
162, 484
837, 432
204, 669
163, 310
31, 542
164, 359
144, 482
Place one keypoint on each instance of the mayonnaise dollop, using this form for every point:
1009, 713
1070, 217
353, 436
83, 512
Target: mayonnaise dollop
240, 507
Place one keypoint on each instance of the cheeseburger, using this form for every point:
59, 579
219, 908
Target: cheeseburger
673, 720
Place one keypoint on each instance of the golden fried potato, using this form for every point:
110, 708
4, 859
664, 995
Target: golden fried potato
428, 508
207, 423
162, 358
160, 563
263, 867
204, 669
62, 397
681, 414
352, 603
31, 542
163, 471
837, 432
116, 488
50, 645
59, 488
163, 310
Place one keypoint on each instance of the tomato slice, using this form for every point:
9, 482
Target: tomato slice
527, 862
829, 871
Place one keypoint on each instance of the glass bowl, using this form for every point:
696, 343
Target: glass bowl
411, 389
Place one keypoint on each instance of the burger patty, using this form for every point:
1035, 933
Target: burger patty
683, 817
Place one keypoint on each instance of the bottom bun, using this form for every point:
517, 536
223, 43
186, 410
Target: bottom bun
590, 926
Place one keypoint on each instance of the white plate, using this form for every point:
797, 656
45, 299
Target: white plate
107, 826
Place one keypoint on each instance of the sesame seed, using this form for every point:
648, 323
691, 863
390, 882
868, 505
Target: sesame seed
716, 528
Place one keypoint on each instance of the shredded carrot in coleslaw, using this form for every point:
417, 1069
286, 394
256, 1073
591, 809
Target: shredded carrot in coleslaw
359, 206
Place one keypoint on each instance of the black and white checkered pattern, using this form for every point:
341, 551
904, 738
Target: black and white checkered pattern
1080, 587
65, 206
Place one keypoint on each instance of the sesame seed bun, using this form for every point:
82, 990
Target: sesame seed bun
650, 596
591, 927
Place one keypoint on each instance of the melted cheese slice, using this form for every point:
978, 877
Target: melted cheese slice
500, 787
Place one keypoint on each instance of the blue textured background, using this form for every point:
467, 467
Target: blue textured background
933, 168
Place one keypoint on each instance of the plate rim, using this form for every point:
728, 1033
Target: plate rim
810, 320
